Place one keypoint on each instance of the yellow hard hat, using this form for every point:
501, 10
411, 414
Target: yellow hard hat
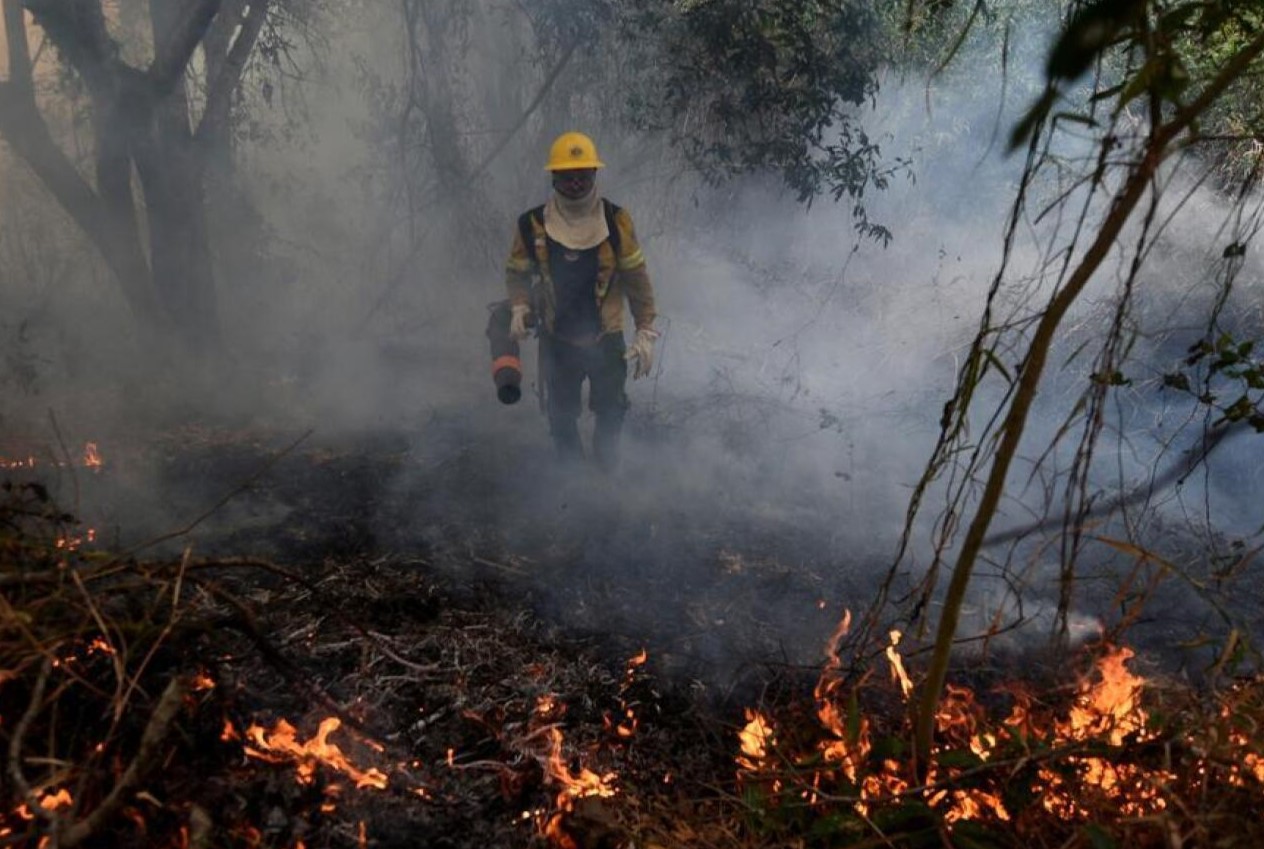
572, 151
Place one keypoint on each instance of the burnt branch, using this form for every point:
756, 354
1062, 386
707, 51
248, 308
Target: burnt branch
151, 742
14, 763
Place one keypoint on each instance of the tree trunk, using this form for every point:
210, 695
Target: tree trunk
140, 119
110, 228
171, 172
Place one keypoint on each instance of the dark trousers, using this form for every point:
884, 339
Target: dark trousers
603, 365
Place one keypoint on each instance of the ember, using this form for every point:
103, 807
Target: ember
89, 458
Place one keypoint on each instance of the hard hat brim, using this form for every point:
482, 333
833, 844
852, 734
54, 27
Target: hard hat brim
576, 166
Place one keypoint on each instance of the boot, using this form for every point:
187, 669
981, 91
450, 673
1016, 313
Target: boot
606, 438
566, 440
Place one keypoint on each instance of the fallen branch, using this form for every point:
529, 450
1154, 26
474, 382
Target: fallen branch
156, 731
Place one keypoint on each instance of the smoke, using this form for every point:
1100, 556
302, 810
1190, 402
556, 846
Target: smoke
767, 462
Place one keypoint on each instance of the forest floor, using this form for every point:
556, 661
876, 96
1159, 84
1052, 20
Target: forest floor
377, 649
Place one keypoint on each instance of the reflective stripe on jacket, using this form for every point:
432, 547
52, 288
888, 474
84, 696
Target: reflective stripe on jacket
624, 276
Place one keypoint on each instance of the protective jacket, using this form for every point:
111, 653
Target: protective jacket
621, 272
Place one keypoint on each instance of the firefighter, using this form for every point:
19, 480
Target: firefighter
574, 262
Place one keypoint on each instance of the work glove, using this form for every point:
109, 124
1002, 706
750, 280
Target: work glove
518, 322
642, 350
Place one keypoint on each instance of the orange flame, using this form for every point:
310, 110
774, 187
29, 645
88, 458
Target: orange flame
1110, 707
575, 785
897, 664
1076, 775
284, 741
75, 542
91, 459
49, 801
756, 739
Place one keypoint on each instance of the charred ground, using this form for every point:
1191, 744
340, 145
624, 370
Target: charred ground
451, 623
404, 591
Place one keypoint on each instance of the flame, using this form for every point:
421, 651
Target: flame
897, 665
91, 458
846, 748
756, 739
546, 705
627, 727
1112, 706
958, 719
99, 644
17, 463
575, 785
1253, 762
74, 542
283, 741
50, 801
1106, 710
1110, 710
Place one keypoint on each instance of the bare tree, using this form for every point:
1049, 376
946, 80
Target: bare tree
1149, 99
144, 205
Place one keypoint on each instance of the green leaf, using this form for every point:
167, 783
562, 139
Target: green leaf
1113, 378
1141, 81
1093, 29
1075, 118
1026, 129
1176, 380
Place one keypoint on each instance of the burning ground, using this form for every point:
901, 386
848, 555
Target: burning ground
329, 658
